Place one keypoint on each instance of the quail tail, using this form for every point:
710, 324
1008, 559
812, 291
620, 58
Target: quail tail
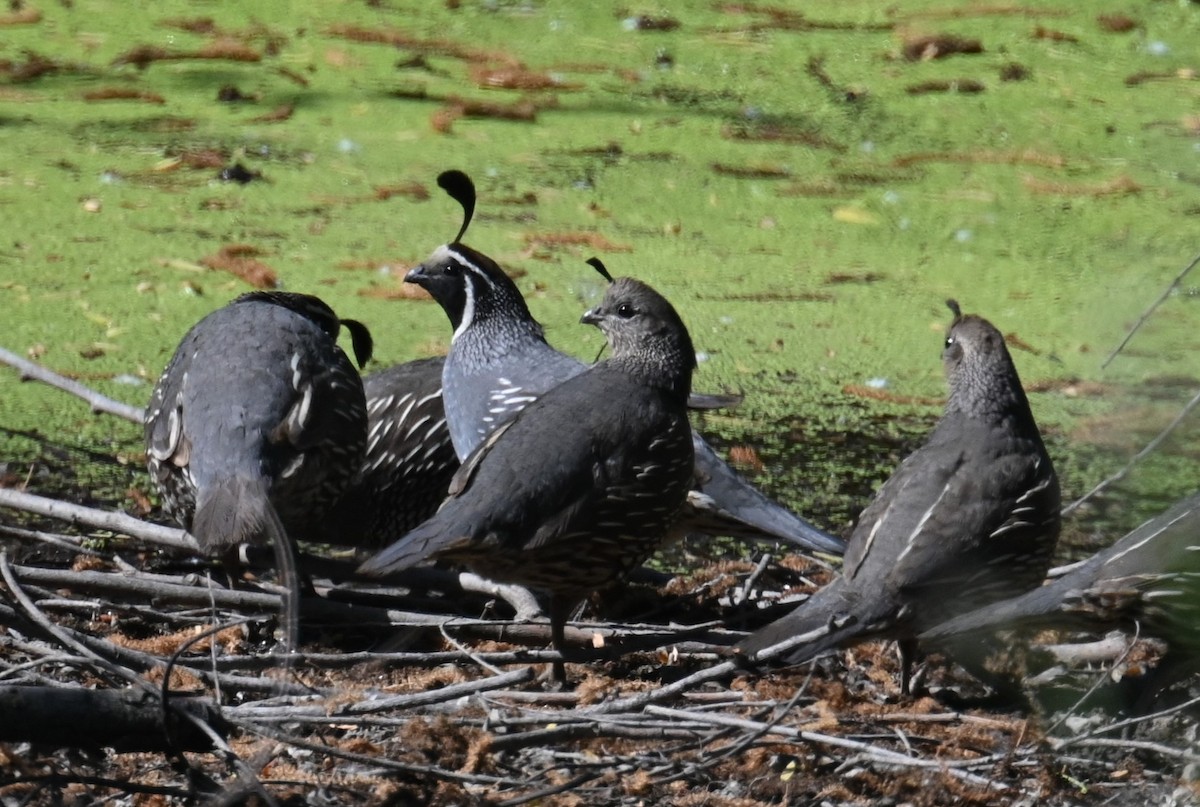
420, 544
732, 506
1031, 608
234, 510
825, 620
237, 510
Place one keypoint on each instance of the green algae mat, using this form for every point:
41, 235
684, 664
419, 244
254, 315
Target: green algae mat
808, 183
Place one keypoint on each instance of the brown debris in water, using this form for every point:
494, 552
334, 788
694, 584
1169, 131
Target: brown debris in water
969, 10
1014, 71
751, 171
864, 278
1051, 35
774, 132
276, 115
239, 260
594, 241
223, 49
985, 156
1183, 74
1117, 186
744, 456
292, 76
963, 85
645, 22
786, 19
1116, 23
515, 77
402, 39
201, 158
874, 394
19, 15
205, 26
33, 67
123, 94
938, 46
524, 110
1012, 340
411, 189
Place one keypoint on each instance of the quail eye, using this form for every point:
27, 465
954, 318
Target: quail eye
625, 311
949, 341
452, 269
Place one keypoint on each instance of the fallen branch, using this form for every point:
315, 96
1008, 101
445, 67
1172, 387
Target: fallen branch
99, 519
869, 751
31, 371
122, 719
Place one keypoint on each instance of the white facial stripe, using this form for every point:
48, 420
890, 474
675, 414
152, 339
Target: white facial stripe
468, 312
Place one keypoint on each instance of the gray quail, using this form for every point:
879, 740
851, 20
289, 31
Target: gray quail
585, 482
258, 424
500, 362
969, 518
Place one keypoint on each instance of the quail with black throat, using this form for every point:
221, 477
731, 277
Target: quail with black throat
408, 463
586, 481
500, 362
969, 518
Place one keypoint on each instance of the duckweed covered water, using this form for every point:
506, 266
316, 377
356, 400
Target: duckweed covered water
808, 186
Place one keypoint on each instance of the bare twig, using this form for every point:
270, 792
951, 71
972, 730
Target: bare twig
1138, 457
31, 371
101, 519
1153, 306
869, 751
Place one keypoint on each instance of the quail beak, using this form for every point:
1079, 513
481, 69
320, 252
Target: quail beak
417, 274
592, 316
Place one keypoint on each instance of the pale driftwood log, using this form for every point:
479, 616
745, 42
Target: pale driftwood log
31, 371
122, 719
1102, 651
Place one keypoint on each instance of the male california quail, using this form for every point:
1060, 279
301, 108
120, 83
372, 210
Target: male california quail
500, 362
1146, 583
585, 483
409, 459
969, 518
259, 422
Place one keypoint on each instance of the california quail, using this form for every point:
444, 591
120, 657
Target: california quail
1146, 583
969, 518
409, 458
500, 362
584, 484
259, 422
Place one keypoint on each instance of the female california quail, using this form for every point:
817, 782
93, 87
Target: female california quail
969, 518
500, 362
584, 484
258, 424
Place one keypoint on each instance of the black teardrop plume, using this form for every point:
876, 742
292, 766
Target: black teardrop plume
462, 190
953, 306
599, 266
